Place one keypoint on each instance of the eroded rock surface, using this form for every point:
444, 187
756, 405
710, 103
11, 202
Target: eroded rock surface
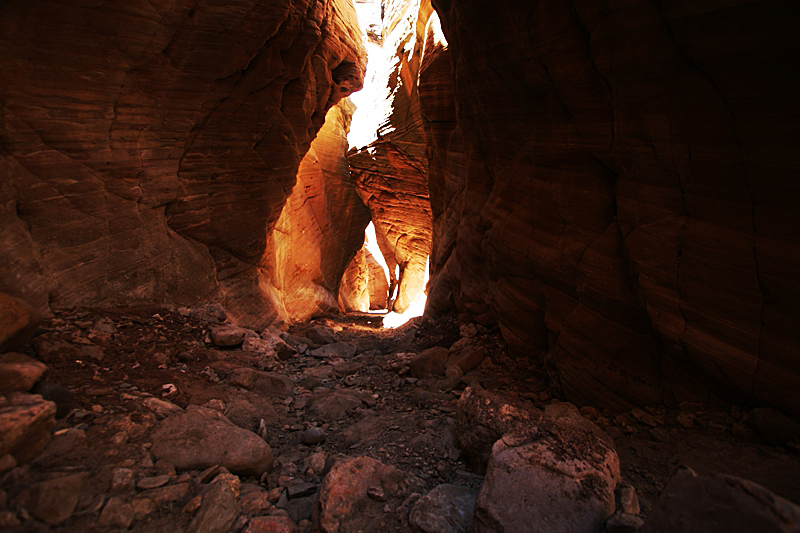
148, 148
389, 160
631, 215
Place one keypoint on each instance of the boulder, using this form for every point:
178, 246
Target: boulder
344, 506
430, 362
19, 372
18, 322
485, 416
26, 425
200, 438
719, 503
445, 509
335, 404
554, 477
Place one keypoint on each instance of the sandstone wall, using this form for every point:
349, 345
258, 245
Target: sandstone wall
322, 225
364, 286
147, 147
620, 192
391, 167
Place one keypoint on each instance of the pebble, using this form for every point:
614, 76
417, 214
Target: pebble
313, 436
152, 482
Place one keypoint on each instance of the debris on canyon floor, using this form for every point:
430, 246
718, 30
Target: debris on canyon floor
151, 420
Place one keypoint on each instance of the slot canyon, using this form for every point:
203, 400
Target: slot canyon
443, 266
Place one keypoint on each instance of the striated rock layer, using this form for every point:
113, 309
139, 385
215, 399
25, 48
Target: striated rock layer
389, 160
618, 191
147, 147
322, 225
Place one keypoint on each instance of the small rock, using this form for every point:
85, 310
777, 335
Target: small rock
644, 417
212, 313
142, 507
313, 436
345, 350
117, 513
446, 509
271, 524
19, 372
18, 322
298, 489
26, 425
92, 351
200, 438
193, 505
8, 519
429, 362
7, 462
686, 420
467, 357
168, 493
376, 493
218, 511
227, 336
321, 335
317, 463
627, 500
256, 503
300, 509
53, 501
161, 408
623, 523
122, 480
152, 482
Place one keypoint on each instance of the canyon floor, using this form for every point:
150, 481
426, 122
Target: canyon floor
107, 367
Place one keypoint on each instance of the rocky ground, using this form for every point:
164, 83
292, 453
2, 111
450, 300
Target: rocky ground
169, 421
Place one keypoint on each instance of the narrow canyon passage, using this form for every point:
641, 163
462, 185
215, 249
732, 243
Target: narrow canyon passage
399, 265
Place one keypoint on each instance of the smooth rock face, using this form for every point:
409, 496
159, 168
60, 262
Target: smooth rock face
720, 503
148, 149
445, 509
632, 215
201, 438
390, 164
364, 286
19, 372
322, 226
26, 425
553, 476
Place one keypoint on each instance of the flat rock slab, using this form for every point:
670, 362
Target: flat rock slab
200, 438
430, 362
218, 511
26, 425
554, 476
717, 504
19, 372
445, 509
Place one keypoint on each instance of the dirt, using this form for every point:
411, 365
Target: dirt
367, 405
